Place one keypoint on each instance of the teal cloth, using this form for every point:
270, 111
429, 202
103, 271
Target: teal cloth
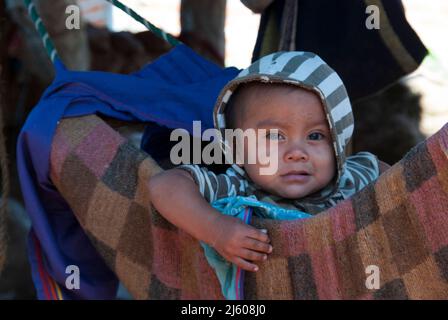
229, 275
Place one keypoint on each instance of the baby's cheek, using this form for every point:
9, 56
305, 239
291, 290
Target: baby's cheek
254, 172
325, 163
330, 168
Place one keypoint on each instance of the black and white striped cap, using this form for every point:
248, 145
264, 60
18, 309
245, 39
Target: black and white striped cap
306, 70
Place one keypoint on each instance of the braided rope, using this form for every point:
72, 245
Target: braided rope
48, 43
158, 32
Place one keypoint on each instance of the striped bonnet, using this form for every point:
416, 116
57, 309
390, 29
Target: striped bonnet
306, 70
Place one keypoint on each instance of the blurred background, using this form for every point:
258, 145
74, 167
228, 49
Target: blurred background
396, 103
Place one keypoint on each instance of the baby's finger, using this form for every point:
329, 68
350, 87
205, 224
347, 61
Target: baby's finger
245, 265
252, 255
256, 245
258, 235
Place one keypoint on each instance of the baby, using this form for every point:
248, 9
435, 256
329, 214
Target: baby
303, 107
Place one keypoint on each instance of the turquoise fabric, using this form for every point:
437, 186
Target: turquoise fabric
229, 275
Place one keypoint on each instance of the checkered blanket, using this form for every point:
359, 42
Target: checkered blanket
399, 224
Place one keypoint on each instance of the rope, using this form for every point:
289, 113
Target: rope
158, 32
48, 43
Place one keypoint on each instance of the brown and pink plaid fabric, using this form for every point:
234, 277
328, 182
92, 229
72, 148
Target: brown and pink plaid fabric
399, 223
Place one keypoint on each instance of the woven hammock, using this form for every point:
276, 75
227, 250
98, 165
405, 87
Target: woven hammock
399, 223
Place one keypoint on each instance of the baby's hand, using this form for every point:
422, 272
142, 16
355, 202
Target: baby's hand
240, 243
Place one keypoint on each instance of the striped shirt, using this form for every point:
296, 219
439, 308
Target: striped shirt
359, 170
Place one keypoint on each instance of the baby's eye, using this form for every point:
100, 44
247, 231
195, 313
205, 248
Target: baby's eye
274, 135
316, 136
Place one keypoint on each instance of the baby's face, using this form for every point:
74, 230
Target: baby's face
306, 160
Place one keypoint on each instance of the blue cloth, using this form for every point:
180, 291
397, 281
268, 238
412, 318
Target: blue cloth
231, 278
174, 90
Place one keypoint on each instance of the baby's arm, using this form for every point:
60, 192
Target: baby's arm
176, 196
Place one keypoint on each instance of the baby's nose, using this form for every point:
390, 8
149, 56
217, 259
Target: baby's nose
297, 154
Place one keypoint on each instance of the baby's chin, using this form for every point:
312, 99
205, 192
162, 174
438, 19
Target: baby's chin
292, 194
289, 192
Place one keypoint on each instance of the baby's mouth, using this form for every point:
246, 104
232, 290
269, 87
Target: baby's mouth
296, 176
